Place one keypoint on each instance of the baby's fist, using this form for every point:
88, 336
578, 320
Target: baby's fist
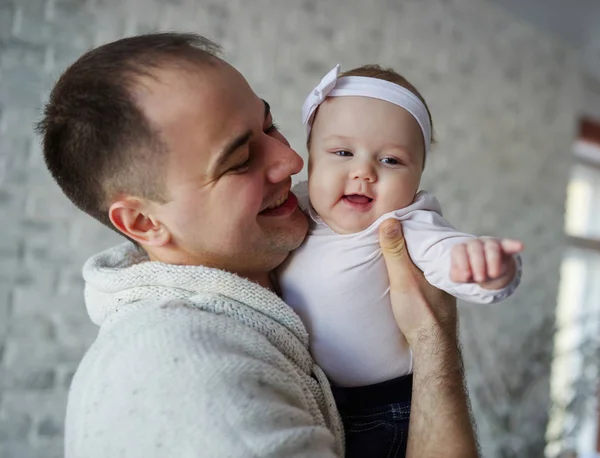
486, 261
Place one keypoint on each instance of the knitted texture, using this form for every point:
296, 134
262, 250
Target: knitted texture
192, 361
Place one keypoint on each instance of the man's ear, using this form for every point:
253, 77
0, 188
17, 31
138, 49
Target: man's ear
131, 216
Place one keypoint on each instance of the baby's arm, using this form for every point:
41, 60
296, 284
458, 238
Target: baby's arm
443, 254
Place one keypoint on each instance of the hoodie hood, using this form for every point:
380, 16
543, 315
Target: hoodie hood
122, 275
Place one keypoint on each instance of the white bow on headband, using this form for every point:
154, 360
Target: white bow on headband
333, 86
319, 94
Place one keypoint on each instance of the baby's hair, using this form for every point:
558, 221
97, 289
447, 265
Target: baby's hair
388, 74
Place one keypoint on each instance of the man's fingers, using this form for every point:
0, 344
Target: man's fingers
511, 246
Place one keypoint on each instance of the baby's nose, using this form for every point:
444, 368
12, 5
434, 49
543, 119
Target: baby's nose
364, 172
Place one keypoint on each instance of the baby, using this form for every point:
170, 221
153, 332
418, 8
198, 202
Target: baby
369, 134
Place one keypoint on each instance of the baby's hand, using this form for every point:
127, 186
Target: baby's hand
486, 261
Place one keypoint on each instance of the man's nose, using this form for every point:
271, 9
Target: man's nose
363, 171
283, 161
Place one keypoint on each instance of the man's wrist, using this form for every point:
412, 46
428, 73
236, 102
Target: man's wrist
440, 397
437, 348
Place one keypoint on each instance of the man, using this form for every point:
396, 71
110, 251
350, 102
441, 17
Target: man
158, 138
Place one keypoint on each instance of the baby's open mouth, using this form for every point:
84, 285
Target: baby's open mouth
358, 199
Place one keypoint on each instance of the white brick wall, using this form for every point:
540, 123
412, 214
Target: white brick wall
504, 99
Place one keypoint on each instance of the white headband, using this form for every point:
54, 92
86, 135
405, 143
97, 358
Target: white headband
333, 86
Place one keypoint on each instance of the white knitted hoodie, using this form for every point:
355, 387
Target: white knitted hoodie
194, 362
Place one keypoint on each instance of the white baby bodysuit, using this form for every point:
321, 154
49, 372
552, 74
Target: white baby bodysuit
338, 284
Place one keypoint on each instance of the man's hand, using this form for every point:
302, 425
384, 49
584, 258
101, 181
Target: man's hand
420, 309
486, 261
440, 421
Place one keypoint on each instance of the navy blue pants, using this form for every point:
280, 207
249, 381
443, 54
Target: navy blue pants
376, 418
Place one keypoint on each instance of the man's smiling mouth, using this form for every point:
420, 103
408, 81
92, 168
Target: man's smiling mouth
283, 206
279, 201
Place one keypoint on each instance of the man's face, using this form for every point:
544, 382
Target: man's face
228, 176
365, 160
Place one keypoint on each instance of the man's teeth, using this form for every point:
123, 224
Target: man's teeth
281, 200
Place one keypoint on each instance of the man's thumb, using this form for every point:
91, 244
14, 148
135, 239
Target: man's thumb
395, 254
391, 238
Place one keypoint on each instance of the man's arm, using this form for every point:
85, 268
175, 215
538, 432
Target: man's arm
440, 421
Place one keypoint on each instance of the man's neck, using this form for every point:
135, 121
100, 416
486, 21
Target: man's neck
264, 279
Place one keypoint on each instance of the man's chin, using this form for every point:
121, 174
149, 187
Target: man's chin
289, 236
301, 226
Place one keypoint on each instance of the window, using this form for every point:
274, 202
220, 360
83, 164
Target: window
574, 422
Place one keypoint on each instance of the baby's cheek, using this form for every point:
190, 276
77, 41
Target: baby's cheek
398, 191
319, 192
395, 201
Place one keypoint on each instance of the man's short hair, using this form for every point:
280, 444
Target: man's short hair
97, 141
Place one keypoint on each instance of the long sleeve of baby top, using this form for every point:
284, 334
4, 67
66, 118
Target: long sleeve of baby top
339, 286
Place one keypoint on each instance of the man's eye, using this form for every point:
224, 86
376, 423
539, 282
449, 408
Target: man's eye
243, 167
343, 153
272, 128
274, 131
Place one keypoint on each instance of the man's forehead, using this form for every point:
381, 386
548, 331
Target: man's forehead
174, 95
199, 116
171, 82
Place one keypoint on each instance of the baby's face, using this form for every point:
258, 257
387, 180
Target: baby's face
365, 160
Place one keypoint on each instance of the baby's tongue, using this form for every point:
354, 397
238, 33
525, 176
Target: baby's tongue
356, 199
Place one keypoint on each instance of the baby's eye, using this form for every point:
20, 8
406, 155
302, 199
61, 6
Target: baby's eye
343, 153
390, 161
